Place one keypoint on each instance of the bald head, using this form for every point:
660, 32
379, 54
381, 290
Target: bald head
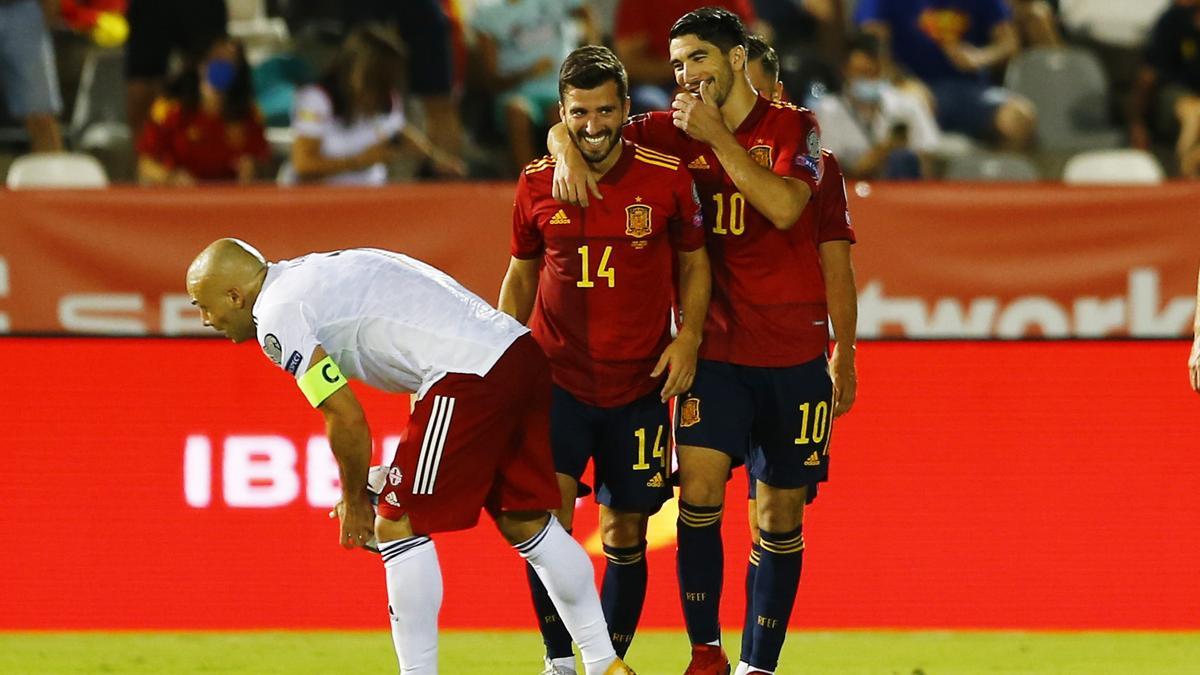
223, 282
226, 261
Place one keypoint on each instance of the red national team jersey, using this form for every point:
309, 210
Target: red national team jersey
206, 145
606, 288
768, 299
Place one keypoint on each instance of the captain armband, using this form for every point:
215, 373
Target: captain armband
320, 381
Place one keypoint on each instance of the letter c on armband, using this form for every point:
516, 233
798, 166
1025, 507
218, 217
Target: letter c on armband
319, 382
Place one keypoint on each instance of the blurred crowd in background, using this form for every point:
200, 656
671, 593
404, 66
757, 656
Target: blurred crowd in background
364, 92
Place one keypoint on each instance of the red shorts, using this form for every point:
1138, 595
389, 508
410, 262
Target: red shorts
477, 442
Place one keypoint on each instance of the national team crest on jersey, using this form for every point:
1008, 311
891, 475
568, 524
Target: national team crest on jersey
689, 412
637, 220
395, 476
273, 349
761, 154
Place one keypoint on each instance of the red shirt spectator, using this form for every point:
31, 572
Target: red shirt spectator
203, 144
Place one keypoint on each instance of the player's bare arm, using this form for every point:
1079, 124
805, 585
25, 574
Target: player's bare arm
679, 358
1194, 358
574, 179
350, 440
780, 199
519, 289
841, 297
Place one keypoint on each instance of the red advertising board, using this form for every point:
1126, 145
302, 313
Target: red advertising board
184, 484
949, 260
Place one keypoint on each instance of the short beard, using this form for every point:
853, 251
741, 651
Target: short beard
583, 149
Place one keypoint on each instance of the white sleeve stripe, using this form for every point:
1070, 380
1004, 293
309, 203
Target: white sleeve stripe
432, 445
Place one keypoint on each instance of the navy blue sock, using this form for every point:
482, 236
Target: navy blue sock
554, 632
748, 622
775, 588
623, 593
700, 564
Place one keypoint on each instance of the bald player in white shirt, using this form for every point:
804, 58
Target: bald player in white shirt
479, 433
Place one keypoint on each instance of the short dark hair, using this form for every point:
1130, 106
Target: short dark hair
589, 67
757, 48
867, 43
717, 25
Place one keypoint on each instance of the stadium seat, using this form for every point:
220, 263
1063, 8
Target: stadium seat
991, 167
1070, 90
56, 170
1098, 167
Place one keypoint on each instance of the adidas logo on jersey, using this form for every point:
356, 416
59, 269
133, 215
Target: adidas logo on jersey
813, 460
656, 481
699, 163
560, 218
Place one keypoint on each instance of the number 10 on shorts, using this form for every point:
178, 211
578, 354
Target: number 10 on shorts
819, 419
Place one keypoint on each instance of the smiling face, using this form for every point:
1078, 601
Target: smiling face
696, 61
594, 118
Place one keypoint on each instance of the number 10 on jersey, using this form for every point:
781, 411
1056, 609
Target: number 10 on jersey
602, 271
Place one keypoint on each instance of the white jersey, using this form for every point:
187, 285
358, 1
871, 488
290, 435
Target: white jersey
312, 117
384, 318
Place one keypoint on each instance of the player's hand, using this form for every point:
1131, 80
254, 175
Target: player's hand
574, 179
679, 361
845, 380
1194, 365
357, 518
698, 116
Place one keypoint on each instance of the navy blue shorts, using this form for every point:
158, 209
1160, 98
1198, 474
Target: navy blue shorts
969, 106
629, 445
777, 421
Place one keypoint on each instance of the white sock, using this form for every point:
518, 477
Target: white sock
567, 572
414, 587
742, 668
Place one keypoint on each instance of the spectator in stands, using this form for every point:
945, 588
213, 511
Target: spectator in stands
952, 46
642, 38
1036, 23
877, 129
522, 43
809, 30
810, 37
1169, 84
158, 29
351, 125
424, 27
207, 128
762, 65
27, 73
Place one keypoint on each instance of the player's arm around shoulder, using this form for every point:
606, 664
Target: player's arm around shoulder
350, 439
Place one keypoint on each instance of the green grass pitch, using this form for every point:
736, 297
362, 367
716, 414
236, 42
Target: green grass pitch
653, 653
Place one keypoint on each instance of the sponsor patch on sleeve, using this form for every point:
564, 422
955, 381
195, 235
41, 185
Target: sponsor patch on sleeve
293, 363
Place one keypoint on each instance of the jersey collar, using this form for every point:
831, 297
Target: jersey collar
756, 113
614, 174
